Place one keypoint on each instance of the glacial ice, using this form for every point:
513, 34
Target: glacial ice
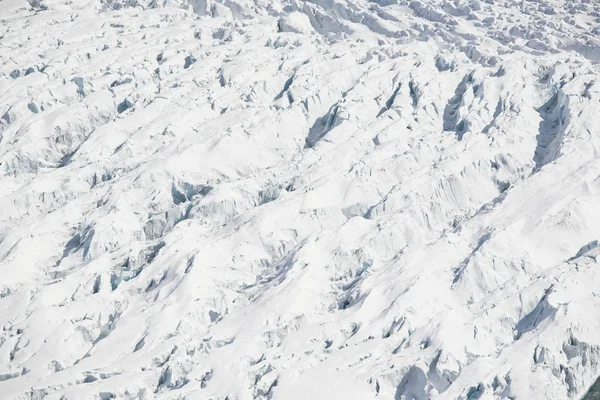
333, 199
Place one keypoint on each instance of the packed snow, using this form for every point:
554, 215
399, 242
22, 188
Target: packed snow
287, 199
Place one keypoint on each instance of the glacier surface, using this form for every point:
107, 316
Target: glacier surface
288, 199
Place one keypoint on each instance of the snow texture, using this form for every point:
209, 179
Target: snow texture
288, 199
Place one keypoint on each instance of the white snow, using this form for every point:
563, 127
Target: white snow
286, 199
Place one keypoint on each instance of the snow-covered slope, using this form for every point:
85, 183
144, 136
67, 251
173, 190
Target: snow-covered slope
285, 199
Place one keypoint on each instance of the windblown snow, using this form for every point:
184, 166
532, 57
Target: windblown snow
288, 199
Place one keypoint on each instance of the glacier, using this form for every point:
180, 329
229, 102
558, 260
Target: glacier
289, 199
